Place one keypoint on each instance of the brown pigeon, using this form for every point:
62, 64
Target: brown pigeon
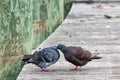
77, 55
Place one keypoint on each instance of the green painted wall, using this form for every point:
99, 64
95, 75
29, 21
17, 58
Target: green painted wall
67, 6
24, 24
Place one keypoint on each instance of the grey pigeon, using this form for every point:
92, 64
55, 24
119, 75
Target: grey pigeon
77, 55
43, 58
90, 2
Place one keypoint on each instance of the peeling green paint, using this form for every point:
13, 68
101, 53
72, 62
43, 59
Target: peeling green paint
24, 24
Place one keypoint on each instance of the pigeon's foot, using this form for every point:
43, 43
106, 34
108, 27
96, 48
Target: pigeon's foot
76, 68
45, 70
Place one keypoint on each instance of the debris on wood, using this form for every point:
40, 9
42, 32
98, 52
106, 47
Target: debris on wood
112, 6
117, 16
107, 16
99, 6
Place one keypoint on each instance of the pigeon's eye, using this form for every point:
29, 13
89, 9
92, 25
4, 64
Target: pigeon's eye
58, 47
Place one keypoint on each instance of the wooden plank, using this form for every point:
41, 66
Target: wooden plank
94, 33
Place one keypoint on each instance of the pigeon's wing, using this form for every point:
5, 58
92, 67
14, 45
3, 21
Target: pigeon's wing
75, 50
77, 62
80, 53
56, 55
36, 58
49, 57
43, 55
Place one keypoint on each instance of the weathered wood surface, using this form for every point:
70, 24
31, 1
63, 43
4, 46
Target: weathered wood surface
99, 0
24, 24
85, 26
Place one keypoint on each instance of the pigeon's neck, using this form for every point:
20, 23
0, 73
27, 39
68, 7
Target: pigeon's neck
66, 54
63, 50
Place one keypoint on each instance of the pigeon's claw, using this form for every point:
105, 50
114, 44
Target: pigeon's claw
45, 70
76, 68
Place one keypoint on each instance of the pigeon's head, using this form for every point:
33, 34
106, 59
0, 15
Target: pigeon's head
61, 47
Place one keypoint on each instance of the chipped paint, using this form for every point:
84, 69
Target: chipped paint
24, 24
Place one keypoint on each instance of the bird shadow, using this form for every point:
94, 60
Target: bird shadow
71, 72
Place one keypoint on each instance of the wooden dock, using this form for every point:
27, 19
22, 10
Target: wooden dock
93, 27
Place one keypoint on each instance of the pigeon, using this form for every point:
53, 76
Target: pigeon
90, 2
43, 57
77, 55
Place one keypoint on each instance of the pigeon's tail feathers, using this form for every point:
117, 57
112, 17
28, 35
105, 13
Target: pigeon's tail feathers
95, 56
26, 57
